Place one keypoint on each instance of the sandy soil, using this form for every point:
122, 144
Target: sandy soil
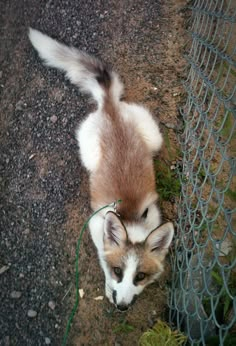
44, 190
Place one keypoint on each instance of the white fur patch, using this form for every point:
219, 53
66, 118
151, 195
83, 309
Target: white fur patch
137, 233
126, 290
153, 218
96, 225
117, 87
88, 139
145, 124
131, 264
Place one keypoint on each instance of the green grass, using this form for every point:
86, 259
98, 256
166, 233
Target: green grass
167, 144
225, 302
168, 184
123, 328
231, 194
222, 70
202, 174
226, 66
228, 125
230, 340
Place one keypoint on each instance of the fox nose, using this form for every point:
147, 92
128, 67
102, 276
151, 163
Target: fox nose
122, 307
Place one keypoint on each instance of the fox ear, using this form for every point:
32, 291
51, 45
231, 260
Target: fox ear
160, 239
115, 234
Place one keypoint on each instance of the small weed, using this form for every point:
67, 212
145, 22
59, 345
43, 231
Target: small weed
225, 303
228, 124
231, 194
123, 327
168, 184
227, 65
225, 298
215, 340
162, 335
110, 312
202, 174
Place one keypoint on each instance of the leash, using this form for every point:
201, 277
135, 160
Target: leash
77, 274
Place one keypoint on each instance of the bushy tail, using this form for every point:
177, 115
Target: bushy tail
87, 72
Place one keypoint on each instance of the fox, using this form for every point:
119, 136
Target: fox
117, 143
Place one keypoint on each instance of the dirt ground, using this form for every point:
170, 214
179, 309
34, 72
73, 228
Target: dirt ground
44, 197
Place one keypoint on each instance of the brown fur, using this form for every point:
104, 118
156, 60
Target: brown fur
149, 264
126, 169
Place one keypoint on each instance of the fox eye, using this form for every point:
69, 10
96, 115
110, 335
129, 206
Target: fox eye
140, 276
145, 213
117, 271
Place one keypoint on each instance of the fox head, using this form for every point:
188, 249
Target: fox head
133, 265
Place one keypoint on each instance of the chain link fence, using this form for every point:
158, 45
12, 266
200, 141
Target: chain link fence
202, 300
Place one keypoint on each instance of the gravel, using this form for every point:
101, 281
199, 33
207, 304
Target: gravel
40, 176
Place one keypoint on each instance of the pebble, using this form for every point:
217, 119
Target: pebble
81, 293
51, 305
20, 105
47, 341
32, 313
225, 247
53, 119
32, 156
64, 121
15, 294
152, 318
4, 269
99, 298
170, 126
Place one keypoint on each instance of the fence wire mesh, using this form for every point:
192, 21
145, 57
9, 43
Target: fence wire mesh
202, 300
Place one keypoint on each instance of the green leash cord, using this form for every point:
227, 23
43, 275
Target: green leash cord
68, 326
